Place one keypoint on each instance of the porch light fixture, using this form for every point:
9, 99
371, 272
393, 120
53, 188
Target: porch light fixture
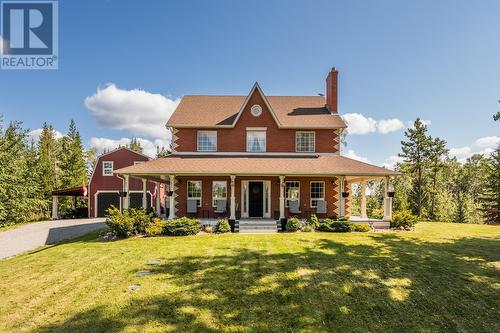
345, 194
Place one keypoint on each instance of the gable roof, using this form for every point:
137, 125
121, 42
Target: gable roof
224, 111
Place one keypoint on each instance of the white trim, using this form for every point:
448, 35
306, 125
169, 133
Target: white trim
314, 141
310, 192
246, 213
265, 141
198, 143
138, 162
201, 190
245, 153
105, 191
256, 129
104, 168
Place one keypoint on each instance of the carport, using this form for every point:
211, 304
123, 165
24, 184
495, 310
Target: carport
80, 191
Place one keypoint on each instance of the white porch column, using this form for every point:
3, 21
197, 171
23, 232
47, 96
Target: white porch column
282, 197
171, 214
363, 199
341, 198
144, 194
55, 207
126, 199
233, 199
158, 199
387, 201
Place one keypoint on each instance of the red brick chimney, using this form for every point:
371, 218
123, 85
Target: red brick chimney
331, 90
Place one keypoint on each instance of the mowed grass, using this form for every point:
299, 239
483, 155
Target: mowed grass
440, 278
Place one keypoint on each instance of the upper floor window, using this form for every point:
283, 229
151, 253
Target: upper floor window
194, 191
207, 140
256, 141
107, 168
305, 142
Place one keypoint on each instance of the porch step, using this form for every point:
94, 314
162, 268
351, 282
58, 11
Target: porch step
256, 227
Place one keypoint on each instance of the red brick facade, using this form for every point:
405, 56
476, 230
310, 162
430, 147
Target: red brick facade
278, 140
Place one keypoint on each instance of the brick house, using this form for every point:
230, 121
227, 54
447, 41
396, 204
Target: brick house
260, 157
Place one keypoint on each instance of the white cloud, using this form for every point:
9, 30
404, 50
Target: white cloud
352, 154
389, 125
484, 146
391, 161
359, 124
136, 111
149, 147
35, 134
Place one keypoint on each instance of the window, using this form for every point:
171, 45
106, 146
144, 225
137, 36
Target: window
256, 110
207, 140
256, 141
292, 192
219, 191
194, 191
107, 168
304, 142
317, 193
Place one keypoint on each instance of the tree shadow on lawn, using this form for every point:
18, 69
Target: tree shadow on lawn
394, 284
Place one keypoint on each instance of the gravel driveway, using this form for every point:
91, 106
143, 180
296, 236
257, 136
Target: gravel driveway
31, 236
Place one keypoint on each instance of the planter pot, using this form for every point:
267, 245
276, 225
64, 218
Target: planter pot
345, 194
276, 215
283, 224
170, 193
390, 194
231, 224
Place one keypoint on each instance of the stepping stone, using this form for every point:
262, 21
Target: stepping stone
154, 262
134, 287
143, 273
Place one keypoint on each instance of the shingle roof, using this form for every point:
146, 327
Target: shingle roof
290, 111
257, 165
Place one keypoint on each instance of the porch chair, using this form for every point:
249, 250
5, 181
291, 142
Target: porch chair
293, 207
192, 206
321, 207
221, 207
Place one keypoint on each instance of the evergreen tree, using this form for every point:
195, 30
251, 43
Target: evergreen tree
47, 147
72, 163
490, 197
416, 152
135, 145
162, 152
437, 152
496, 117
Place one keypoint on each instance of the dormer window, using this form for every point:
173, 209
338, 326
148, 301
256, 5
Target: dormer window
305, 142
207, 140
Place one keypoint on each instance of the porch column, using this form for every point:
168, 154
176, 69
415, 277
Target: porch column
158, 199
363, 199
55, 205
144, 194
126, 199
341, 198
387, 201
233, 199
282, 197
171, 214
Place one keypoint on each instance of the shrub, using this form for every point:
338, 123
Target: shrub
377, 213
293, 224
141, 219
222, 226
404, 219
307, 227
333, 218
182, 227
312, 220
122, 225
343, 218
329, 225
155, 228
361, 227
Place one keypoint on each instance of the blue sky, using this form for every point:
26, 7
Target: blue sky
438, 60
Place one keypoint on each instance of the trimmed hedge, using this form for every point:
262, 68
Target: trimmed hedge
131, 222
155, 228
404, 219
313, 220
183, 226
222, 226
361, 227
329, 225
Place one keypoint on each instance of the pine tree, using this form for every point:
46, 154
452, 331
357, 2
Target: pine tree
437, 152
416, 152
72, 163
162, 152
135, 145
491, 191
47, 147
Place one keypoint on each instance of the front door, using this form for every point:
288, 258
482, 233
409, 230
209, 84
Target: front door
255, 199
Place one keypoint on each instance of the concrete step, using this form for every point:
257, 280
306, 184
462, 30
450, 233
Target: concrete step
258, 231
258, 223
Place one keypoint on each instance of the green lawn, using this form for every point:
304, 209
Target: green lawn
443, 277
